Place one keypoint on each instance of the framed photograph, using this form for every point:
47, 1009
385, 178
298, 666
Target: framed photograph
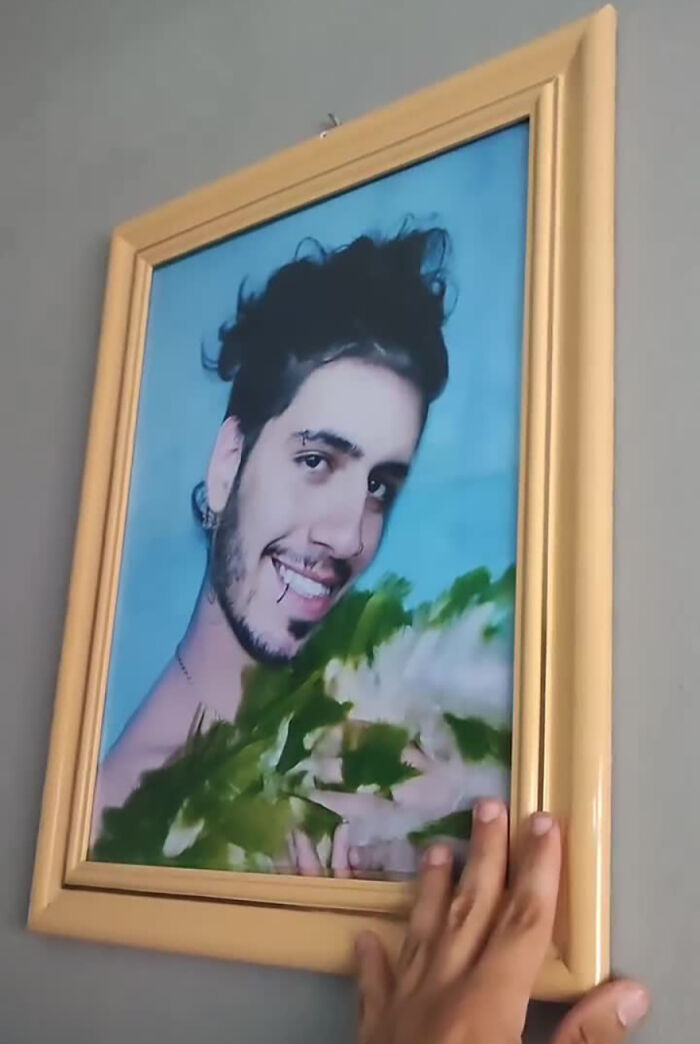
343, 561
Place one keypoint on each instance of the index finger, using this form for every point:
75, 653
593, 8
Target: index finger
308, 863
514, 954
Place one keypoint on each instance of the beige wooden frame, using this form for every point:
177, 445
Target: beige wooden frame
564, 85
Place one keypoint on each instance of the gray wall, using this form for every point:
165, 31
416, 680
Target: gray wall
108, 107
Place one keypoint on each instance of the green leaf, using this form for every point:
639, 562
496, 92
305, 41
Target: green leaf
257, 825
457, 824
206, 853
319, 822
372, 755
472, 589
503, 590
136, 832
477, 740
319, 711
468, 590
473, 736
238, 772
269, 697
382, 616
334, 636
503, 746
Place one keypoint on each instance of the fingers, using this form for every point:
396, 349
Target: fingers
428, 915
307, 862
375, 983
397, 858
604, 1016
340, 853
517, 947
478, 896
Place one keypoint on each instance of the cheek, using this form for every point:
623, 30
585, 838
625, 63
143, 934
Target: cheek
372, 530
293, 503
265, 509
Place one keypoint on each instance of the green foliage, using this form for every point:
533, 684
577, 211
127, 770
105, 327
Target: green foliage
383, 614
234, 793
457, 824
317, 821
333, 637
318, 712
504, 588
372, 756
467, 591
136, 832
256, 824
478, 741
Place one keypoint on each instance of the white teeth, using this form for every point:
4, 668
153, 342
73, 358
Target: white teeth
302, 585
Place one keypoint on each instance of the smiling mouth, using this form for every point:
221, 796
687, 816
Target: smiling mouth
301, 584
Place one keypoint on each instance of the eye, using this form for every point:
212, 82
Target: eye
314, 462
378, 490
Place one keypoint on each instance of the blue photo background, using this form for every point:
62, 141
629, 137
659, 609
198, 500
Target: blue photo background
459, 507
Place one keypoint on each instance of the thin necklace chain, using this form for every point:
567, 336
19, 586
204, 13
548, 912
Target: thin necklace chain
181, 665
202, 709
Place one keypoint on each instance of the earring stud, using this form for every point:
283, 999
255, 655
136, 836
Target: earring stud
207, 518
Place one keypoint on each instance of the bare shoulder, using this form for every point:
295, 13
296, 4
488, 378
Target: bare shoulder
155, 734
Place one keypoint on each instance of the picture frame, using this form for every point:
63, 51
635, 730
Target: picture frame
563, 86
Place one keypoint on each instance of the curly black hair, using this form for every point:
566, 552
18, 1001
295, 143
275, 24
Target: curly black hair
380, 300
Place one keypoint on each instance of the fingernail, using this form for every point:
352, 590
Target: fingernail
364, 942
541, 823
438, 855
632, 1007
487, 811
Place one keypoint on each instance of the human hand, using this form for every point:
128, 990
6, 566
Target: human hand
373, 835
472, 953
346, 859
305, 858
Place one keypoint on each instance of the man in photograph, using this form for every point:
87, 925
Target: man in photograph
334, 366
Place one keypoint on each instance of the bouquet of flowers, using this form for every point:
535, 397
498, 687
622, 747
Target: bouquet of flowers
393, 721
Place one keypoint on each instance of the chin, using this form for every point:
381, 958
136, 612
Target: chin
271, 648
279, 650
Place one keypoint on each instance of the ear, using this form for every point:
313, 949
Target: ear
224, 464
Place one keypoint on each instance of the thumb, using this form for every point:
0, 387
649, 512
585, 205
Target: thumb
604, 1016
375, 981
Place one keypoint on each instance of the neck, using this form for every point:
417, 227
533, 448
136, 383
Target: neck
211, 657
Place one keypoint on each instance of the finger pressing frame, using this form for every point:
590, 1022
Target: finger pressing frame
604, 1016
518, 944
427, 920
374, 981
478, 896
308, 863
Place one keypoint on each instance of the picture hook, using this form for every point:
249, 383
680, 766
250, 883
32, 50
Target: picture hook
330, 124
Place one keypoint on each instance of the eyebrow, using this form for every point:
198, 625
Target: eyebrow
331, 439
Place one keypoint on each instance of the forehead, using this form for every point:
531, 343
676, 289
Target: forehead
367, 404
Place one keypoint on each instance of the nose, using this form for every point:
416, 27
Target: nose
339, 528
